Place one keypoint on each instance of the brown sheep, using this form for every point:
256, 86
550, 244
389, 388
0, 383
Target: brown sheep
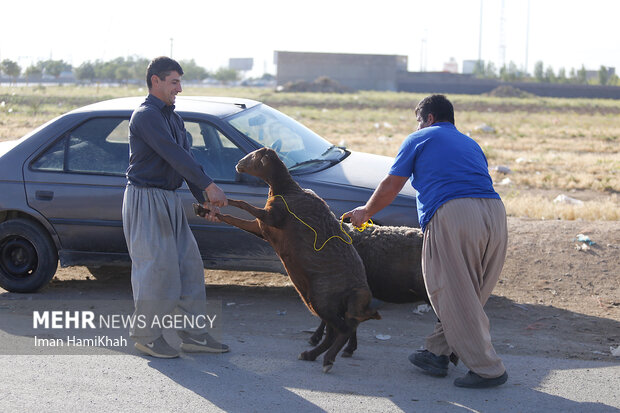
331, 282
392, 258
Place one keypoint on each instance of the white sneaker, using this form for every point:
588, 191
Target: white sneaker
202, 343
158, 348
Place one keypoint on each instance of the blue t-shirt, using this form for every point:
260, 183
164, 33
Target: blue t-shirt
443, 164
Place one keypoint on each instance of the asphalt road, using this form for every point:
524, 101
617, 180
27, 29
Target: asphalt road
266, 330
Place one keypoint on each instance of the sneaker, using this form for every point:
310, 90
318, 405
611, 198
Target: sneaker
430, 363
158, 348
202, 343
473, 381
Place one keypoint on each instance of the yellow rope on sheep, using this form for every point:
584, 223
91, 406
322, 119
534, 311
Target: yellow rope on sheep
365, 225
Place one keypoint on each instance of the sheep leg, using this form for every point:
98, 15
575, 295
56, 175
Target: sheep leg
249, 226
357, 305
330, 356
327, 342
351, 346
269, 215
254, 211
318, 334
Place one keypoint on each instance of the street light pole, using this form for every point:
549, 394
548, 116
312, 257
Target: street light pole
480, 36
527, 37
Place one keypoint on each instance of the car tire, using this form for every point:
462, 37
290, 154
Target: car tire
28, 257
106, 272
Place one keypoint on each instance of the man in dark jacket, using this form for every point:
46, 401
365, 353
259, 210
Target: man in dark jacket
167, 274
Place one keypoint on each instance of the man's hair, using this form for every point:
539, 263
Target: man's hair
161, 66
438, 105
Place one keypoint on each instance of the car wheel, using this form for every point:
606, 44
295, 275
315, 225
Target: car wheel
106, 272
28, 257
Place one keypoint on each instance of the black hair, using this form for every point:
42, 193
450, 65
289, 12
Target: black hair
438, 105
161, 66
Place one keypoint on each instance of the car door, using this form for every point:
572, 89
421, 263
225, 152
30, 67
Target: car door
78, 181
221, 245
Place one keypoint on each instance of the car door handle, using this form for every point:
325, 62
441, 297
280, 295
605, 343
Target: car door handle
44, 195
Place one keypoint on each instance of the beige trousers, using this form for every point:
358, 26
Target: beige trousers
462, 258
167, 274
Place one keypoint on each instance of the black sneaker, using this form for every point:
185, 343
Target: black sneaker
430, 363
473, 381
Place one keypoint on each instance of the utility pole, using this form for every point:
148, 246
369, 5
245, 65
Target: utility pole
527, 36
171, 41
480, 36
423, 55
502, 37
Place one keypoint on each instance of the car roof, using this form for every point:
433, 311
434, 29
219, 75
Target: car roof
212, 105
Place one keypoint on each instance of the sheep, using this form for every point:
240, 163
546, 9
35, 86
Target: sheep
392, 258
332, 281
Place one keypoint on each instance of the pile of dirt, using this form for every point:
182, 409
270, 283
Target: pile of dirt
322, 84
507, 91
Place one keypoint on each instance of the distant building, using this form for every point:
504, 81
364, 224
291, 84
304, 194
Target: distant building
451, 67
241, 63
355, 71
469, 66
389, 72
593, 74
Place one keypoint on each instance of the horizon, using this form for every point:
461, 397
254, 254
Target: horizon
565, 34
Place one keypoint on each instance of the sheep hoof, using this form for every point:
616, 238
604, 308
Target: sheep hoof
347, 354
327, 367
305, 356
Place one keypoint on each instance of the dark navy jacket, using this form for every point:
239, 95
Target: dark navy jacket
159, 151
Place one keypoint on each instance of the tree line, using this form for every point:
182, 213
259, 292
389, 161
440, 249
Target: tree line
120, 70
124, 70
542, 74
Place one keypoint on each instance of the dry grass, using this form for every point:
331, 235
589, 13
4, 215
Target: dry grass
551, 146
522, 204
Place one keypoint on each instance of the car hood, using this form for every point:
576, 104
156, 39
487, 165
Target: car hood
361, 169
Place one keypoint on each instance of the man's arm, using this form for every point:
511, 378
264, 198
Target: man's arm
382, 197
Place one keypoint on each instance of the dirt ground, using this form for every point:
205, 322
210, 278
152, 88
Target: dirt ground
557, 297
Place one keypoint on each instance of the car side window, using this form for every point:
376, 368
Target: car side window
99, 146
217, 154
53, 159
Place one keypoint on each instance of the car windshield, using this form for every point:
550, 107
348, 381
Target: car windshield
299, 148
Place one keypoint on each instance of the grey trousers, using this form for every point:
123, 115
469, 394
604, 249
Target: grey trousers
462, 258
167, 274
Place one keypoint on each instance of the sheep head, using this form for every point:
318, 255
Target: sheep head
262, 163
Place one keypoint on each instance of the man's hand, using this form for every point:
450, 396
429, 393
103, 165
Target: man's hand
213, 210
382, 197
215, 196
358, 216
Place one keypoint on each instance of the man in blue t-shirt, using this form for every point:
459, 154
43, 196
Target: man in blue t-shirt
465, 239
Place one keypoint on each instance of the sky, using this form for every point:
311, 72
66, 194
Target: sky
562, 33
